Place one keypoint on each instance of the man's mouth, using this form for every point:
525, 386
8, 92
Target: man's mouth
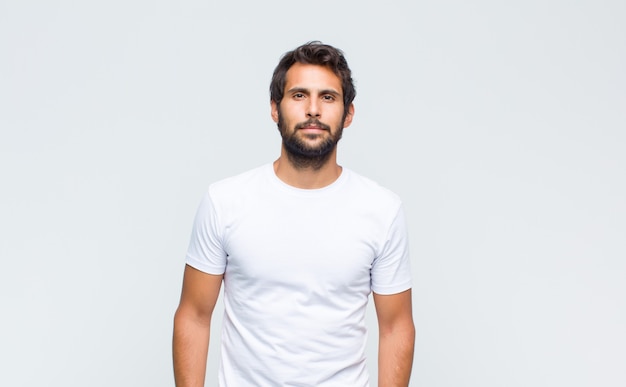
313, 125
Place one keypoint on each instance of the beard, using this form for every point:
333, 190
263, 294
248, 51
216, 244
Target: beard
302, 153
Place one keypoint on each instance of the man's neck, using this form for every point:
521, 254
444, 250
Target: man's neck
307, 177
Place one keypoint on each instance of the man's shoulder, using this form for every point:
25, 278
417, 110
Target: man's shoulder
371, 188
242, 178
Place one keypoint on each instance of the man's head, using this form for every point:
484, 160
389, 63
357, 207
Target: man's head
314, 53
311, 97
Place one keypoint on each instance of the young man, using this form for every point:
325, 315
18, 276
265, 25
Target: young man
299, 245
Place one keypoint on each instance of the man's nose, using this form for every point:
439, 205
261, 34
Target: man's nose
313, 110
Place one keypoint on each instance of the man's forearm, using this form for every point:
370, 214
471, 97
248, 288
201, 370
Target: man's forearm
190, 349
395, 356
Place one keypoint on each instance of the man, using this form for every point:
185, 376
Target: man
299, 245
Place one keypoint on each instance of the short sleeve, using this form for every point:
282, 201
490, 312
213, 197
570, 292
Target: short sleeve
391, 270
205, 251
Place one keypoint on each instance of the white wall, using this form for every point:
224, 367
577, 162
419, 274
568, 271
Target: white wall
501, 124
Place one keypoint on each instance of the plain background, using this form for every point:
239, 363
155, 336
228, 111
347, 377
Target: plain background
502, 125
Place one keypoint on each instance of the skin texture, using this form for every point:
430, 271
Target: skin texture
192, 323
396, 338
310, 117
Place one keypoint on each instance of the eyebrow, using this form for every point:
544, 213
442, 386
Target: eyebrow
304, 90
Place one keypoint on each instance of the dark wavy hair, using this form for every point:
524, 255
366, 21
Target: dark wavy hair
314, 53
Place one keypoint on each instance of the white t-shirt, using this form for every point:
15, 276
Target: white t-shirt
298, 268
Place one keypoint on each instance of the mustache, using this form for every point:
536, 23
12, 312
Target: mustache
313, 122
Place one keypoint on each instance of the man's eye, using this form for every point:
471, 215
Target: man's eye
328, 98
298, 95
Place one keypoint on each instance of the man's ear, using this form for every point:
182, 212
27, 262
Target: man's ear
350, 114
274, 111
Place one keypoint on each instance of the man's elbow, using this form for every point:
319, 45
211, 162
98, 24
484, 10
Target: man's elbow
398, 327
186, 315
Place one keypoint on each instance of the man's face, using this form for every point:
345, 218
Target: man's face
310, 115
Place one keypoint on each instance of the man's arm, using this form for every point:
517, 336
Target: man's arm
396, 338
192, 323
